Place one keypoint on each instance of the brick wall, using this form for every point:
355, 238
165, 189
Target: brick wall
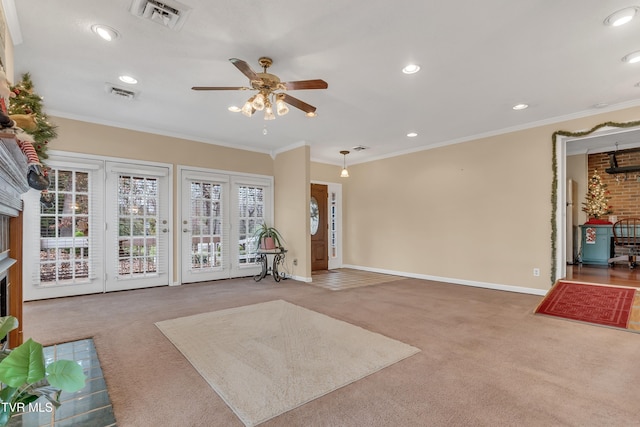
624, 189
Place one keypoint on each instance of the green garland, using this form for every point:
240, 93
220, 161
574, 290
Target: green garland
554, 181
27, 101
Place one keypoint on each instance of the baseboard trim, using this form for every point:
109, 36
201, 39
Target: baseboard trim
472, 283
299, 278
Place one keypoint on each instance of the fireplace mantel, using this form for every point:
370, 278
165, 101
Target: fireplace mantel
13, 175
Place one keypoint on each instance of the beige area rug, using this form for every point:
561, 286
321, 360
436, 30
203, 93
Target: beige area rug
266, 359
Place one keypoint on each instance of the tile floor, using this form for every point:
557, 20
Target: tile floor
90, 407
346, 278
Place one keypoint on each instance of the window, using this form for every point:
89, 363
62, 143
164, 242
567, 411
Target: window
137, 225
64, 229
206, 225
250, 216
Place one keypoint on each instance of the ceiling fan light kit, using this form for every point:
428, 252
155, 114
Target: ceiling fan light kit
247, 108
258, 102
268, 113
271, 91
281, 106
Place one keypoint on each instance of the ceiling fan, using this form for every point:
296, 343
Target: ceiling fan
271, 91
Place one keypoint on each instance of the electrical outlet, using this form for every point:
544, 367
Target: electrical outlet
295, 261
536, 272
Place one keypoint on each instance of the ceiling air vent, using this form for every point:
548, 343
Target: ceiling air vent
359, 148
119, 92
168, 13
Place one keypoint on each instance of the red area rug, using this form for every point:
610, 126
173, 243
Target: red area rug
591, 303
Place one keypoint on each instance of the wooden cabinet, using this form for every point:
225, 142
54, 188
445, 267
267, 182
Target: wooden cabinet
597, 243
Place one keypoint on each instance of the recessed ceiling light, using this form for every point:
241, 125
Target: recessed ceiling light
128, 79
105, 32
520, 106
411, 69
234, 109
412, 134
632, 58
621, 17
600, 105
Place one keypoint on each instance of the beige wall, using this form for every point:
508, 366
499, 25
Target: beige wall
455, 212
477, 211
322, 172
82, 137
292, 194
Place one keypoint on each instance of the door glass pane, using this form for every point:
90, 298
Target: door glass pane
64, 229
315, 216
137, 226
250, 216
333, 231
206, 226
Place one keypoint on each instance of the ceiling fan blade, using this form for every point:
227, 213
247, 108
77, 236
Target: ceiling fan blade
244, 68
306, 84
219, 88
295, 102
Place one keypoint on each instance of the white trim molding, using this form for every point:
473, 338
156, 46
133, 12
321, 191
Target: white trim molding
472, 283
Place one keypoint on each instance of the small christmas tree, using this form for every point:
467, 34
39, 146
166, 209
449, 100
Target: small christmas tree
28, 102
596, 203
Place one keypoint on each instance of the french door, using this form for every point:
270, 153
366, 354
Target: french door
219, 214
137, 227
102, 226
205, 228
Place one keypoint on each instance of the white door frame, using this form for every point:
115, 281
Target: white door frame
113, 281
31, 285
185, 227
31, 219
234, 178
561, 187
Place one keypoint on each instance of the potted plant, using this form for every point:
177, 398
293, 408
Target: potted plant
24, 376
268, 237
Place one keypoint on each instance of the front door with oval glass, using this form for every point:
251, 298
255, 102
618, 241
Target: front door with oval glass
319, 224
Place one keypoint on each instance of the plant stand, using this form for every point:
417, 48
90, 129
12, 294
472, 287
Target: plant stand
263, 259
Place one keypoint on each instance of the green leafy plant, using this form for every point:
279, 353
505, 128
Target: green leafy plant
264, 231
24, 376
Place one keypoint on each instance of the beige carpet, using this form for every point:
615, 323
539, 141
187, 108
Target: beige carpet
266, 359
486, 359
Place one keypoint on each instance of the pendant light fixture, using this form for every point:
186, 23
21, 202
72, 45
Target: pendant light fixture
345, 172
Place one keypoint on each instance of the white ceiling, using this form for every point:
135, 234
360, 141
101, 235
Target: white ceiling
477, 58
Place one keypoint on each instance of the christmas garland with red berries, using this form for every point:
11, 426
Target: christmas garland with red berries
28, 103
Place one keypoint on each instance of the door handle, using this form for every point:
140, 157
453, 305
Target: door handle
185, 230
